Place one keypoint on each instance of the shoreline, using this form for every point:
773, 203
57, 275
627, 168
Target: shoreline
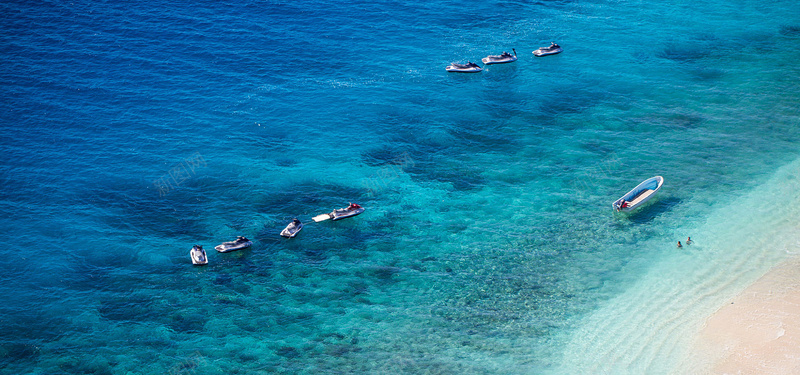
757, 331
666, 321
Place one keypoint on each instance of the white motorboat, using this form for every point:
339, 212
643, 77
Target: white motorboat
639, 195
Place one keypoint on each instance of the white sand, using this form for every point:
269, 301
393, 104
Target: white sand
758, 332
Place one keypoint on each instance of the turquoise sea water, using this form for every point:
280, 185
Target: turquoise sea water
131, 131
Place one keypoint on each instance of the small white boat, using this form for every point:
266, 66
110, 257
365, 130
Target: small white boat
342, 213
544, 51
469, 67
240, 243
502, 58
198, 255
639, 195
292, 229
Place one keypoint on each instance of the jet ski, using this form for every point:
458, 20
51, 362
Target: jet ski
240, 243
503, 58
198, 255
469, 67
552, 50
292, 229
342, 213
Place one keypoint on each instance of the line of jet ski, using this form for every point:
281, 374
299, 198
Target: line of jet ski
503, 58
199, 256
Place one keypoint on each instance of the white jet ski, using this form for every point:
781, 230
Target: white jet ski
544, 51
502, 58
240, 243
342, 213
469, 67
292, 229
198, 255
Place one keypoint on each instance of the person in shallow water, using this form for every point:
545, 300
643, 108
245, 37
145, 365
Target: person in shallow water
689, 241
679, 244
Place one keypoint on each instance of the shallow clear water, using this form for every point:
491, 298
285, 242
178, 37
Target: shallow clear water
488, 244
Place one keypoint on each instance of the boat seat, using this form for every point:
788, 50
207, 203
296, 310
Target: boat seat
640, 197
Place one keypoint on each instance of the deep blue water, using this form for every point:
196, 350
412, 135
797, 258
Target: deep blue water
488, 232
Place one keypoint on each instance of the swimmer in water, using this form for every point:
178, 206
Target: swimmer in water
679, 244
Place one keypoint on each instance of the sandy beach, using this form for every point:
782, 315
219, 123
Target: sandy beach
756, 332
